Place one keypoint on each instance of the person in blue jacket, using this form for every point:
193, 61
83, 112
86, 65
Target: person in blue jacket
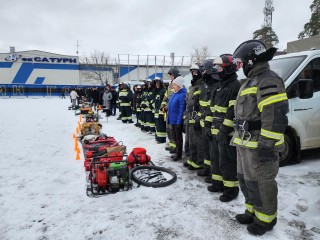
176, 108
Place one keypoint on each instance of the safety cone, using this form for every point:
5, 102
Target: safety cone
78, 155
76, 144
74, 136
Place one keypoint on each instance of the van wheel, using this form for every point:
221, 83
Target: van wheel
286, 156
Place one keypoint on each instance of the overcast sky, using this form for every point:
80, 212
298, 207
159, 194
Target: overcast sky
154, 27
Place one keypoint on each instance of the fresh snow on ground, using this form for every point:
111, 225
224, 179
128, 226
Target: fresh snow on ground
42, 188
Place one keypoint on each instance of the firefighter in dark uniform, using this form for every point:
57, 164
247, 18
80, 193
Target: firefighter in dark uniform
160, 122
224, 164
125, 98
195, 161
205, 116
260, 123
143, 106
146, 105
137, 106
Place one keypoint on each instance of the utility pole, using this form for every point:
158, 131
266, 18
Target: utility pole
268, 9
78, 45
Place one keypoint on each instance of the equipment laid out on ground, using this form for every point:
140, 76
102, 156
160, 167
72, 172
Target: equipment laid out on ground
110, 170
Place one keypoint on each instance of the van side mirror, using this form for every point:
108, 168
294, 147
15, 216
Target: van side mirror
305, 88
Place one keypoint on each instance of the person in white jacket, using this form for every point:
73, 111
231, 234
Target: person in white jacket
107, 96
74, 95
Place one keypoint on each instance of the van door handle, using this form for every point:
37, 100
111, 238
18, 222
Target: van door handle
302, 109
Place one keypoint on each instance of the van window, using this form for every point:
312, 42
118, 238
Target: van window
312, 71
284, 67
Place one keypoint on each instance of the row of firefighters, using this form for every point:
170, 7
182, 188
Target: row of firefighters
234, 130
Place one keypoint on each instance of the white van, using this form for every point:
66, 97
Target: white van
301, 74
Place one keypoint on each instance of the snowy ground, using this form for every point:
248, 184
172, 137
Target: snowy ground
42, 188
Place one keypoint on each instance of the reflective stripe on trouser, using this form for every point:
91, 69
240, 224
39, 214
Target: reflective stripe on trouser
126, 113
206, 148
258, 184
161, 133
225, 165
195, 145
149, 116
142, 120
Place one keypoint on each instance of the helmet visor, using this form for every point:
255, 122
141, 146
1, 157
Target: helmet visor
238, 62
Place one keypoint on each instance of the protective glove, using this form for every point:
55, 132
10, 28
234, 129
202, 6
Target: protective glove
266, 154
222, 138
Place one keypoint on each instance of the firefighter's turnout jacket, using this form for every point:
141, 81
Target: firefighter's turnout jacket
260, 123
125, 98
194, 128
224, 162
160, 123
204, 117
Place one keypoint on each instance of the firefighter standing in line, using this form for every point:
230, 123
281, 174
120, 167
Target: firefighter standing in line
160, 123
260, 123
195, 161
137, 106
146, 105
205, 116
224, 165
144, 90
125, 98
173, 74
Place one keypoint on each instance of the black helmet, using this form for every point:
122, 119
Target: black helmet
175, 72
224, 66
206, 67
207, 70
251, 52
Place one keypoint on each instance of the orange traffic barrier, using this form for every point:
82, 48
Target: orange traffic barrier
78, 155
74, 136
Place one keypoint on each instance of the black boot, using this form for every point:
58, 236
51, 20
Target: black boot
204, 172
186, 164
245, 218
172, 150
208, 179
215, 188
192, 168
167, 148
229, 194
176, 157
260, 229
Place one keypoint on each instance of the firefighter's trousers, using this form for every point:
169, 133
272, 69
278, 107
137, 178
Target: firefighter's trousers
258, 184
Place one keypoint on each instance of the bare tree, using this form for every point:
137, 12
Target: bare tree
200, 54
97, 67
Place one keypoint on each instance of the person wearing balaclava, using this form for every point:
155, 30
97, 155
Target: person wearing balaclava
176, 108
204, 117
193, 128
260, 122
224, 165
